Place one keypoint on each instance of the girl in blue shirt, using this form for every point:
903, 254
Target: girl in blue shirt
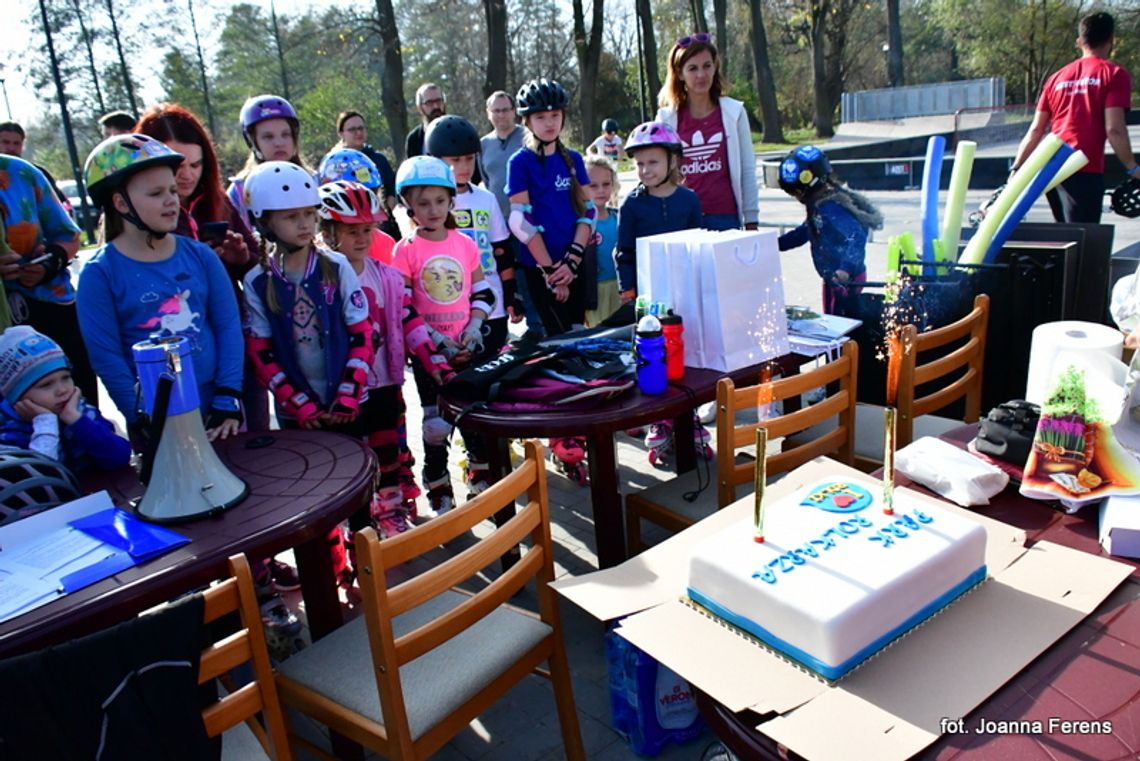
604, 185
145, 281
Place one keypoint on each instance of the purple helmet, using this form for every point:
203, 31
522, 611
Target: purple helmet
653, 133
261, 108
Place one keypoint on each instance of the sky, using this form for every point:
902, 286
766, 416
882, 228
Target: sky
22, 104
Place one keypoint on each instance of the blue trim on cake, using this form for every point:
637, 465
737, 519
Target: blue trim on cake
835, 672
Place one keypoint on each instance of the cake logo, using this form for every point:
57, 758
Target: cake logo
839, 497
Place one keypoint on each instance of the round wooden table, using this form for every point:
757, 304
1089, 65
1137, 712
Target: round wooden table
302, 484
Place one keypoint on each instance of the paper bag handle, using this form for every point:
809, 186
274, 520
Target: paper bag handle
750, 258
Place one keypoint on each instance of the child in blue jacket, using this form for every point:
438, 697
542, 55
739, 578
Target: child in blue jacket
837, 224
43, 410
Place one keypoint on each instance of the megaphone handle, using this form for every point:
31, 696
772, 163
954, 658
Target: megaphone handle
157, 422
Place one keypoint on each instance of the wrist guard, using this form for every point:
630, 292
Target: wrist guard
226, 405
482, 297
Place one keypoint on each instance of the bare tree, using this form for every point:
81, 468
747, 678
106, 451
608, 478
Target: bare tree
649, 50
90, 55
589, 50
697, 9
720, 15
496, 13
392, 92
895, 76
765, 83
202, 70
127, 84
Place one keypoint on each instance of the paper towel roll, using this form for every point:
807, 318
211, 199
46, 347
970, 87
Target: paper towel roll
1075, 339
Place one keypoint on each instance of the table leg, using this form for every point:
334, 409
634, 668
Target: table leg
609, 528
499, 465
318, 587
683, 443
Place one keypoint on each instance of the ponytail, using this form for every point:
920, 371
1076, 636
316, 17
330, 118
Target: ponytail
575, 186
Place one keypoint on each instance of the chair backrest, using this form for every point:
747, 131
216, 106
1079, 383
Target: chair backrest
965, 362
236, 594
839, 441
383, 603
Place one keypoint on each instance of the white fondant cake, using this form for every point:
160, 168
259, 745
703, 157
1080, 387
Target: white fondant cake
835, 579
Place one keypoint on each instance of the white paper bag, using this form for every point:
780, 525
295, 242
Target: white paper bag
668, 271
653, 268
742, 299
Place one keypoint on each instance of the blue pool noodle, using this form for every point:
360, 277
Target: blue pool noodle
931, 177
1028, 198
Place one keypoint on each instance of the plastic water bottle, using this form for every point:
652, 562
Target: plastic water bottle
673, 328
649, 347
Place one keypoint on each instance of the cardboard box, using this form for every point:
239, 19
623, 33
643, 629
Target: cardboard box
892, 706
1120, 526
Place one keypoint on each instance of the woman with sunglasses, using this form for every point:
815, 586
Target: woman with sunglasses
717, 160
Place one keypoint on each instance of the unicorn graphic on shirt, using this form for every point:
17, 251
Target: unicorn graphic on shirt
174, 315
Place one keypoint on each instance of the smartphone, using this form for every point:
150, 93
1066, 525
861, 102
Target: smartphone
213, 232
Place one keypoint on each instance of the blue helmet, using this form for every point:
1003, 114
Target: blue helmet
419, 171
804, 168
351, 165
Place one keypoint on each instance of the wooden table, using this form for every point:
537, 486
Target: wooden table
1091, 674
302, 483
631, 410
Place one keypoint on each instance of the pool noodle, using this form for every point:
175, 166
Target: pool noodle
956, 198
978, 245
1072, 165
931, 177
1026, 200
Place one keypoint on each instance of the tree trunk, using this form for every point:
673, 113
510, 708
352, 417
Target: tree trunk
392, 92
697, 8
202, 72
895, 76
649, 52
823, 107
127, 84
765, 84
589, 51
90, 57
280, 52
720, 16
496, 15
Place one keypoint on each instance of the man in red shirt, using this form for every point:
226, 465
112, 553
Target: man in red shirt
1084, 103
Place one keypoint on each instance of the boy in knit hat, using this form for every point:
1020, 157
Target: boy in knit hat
42, 409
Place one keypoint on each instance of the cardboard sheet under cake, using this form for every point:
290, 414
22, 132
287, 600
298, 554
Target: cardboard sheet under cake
892, 706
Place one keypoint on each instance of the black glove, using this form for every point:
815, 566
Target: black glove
226, 405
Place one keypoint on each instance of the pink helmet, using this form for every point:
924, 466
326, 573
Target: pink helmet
653, 133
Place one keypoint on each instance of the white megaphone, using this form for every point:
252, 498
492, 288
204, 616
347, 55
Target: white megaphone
184, 478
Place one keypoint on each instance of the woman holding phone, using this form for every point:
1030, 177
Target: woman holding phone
207, 214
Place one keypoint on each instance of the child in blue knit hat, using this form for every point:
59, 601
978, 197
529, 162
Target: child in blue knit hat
42, 409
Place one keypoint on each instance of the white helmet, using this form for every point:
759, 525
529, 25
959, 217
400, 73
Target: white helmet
277, 185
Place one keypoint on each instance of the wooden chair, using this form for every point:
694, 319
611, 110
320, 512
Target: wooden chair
833, 429
956, 374
440, 656
235, 712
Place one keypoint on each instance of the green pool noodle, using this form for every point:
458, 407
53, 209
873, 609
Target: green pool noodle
908, 252
893, 254
1072, 165
976, 248
956, 199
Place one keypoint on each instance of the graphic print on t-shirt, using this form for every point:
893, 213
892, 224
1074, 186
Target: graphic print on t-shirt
306, 326
700, 153
476, 225
442, 279
174, 316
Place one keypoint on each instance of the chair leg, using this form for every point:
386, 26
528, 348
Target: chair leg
564, 701
633, 531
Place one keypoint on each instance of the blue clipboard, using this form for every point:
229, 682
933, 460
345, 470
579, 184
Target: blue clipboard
129, 541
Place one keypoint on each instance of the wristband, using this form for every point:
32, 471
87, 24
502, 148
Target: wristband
1132, 172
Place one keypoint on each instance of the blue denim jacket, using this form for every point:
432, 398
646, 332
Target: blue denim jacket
838, 240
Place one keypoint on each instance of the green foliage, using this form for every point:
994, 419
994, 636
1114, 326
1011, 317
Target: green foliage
1069, 398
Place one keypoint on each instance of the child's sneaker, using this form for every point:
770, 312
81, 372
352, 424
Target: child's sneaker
569, 455
659, 440
478, 478
440, 499
388, 514
282, 627
285, 576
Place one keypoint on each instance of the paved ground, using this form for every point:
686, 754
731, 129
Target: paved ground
524, 727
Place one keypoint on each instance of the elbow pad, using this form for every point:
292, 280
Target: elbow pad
589, 216
521, 222
482, 297
271, 375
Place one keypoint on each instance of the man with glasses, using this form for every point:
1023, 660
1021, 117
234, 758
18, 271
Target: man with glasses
431, 104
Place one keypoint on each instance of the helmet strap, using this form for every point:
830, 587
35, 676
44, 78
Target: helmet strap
132, 216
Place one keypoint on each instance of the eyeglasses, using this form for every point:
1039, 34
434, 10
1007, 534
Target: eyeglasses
431, 101
689, 39
354, 129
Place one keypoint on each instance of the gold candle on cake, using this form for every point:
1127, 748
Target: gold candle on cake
890, 414
761, 480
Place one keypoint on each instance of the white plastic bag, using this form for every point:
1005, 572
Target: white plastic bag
947, 470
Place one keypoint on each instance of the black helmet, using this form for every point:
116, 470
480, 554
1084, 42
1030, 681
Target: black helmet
1126, 198
31, 483
451, 136
609, 125
804, 168
541, 95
